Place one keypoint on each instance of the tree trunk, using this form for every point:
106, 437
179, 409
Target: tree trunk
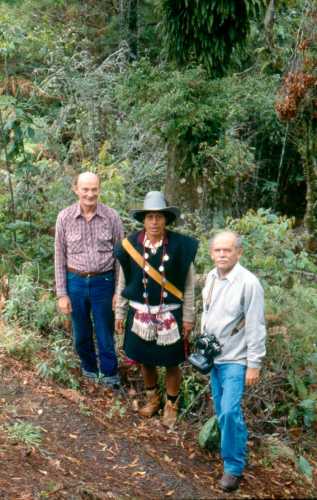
310, 173
180, 191
133, 27
269, 23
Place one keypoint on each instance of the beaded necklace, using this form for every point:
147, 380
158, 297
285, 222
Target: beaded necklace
161, 326
154, 318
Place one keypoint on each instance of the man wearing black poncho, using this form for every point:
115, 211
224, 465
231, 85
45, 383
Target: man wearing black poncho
156, 296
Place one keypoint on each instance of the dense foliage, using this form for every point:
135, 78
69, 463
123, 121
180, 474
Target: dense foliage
206, 31
87, 86
231, 135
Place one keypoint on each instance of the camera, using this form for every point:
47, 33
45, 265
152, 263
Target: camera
207, 347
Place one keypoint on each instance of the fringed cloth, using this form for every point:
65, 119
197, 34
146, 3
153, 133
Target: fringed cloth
155, 323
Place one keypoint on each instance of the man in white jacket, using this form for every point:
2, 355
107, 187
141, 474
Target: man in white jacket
233, 310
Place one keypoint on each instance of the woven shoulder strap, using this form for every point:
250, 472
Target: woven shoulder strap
153, 273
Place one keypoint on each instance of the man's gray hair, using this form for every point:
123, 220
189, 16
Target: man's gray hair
236, 235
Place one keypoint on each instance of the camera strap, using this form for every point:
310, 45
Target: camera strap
238, 327
241, 321
208, 301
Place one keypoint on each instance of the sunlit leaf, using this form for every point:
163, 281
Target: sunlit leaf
305, 467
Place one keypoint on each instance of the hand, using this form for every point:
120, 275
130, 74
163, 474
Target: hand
252, 376
64, 305
119, 326
114, 301
187, 328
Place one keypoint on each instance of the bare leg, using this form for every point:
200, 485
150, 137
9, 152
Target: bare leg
149, 375
153, 400
173, 380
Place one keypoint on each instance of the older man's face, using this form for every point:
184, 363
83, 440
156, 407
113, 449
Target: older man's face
225, 253
87, 190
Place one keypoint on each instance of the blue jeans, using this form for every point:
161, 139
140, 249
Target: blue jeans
227, 387
91, 299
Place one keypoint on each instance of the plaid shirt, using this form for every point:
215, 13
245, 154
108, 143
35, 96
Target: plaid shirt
85, 246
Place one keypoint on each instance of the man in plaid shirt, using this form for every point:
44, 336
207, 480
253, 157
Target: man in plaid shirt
85, 272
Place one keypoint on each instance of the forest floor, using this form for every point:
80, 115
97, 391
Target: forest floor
95, 446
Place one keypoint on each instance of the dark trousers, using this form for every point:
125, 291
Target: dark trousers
91, 299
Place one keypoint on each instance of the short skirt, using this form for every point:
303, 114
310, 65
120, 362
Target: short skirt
148, 352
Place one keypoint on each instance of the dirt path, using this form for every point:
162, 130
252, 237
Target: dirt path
95, 447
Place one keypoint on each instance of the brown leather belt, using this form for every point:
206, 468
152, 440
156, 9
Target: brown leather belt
86, 274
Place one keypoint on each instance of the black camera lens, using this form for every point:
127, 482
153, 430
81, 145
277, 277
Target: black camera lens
202, 343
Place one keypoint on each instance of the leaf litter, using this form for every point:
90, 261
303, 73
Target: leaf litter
93, 456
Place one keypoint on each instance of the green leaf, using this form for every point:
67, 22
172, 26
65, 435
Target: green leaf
305, 467
6, 101
308, 404
30, 132
19, 224
209, 435
313, 358
298, 385
10, 124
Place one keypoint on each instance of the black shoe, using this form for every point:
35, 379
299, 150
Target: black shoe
229, 482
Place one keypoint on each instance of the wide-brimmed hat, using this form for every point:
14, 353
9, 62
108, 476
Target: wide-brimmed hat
155, 201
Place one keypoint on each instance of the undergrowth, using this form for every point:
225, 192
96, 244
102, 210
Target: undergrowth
25, 433
285, 399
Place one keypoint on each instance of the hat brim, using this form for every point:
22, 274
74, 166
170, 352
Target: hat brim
171, 213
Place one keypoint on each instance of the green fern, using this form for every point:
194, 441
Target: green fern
24, 432
205, 30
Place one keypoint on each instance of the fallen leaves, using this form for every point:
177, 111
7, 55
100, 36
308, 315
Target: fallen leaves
71, 395
138, 473
128, 457
73, 460
134, 463
170, 493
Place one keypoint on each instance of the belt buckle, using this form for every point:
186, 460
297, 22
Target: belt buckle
88, 275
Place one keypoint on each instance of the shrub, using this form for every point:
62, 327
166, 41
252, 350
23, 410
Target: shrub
24, 432
30, 305
271, 248
20, 344
60, 364
274, 251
